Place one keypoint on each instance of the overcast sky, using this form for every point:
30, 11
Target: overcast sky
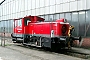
1, 0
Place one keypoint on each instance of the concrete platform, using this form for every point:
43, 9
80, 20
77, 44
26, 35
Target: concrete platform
81, 50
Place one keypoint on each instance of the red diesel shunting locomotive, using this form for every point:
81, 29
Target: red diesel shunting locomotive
32, 30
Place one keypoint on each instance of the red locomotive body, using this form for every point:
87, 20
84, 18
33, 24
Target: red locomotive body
32, 30
45, 29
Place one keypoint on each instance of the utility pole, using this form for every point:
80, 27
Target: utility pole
1, 36
4, 36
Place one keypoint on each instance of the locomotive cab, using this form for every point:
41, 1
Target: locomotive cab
17, 34
20, 30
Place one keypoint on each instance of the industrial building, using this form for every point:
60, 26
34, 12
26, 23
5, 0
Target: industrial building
75, 11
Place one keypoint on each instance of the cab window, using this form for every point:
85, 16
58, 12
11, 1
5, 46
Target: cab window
26, 21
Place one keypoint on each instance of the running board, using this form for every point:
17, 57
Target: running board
32, 45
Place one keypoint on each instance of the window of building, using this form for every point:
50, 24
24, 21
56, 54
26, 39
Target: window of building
52, 2
42, 11
47, 2
11, 26
82, 23
37, 11
87, 23
87, 4
47, 10
14, 7
56, 16
3, 25
51, 18
37, 3
46, 18
59, 1
26, 4
52, 9
29, 4
17, 6
33, 4
62, 15
68, 17
3, 9
33, 12
75, 23
41, 3
22, 4
0, 26
8, 26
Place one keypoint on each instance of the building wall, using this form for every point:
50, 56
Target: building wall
75, 11
18, 8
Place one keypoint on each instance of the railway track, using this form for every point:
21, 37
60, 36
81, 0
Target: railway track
71, 52
78, 54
